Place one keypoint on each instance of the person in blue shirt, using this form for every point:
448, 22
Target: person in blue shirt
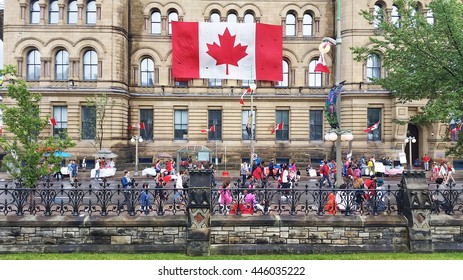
145, 198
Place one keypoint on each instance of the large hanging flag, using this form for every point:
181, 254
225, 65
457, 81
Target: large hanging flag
371, 128
224, 50
330, 105
278, 126
248, 90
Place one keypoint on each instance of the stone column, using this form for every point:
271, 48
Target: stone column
416, 207
199, 213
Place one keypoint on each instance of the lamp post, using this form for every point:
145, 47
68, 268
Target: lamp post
410, 140
253, 87
136, 139
338, 131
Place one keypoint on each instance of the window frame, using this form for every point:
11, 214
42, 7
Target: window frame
90, 12
90, 69
374, 115
147, 70
285, 68
307, 27
244, 121
60, 113
72, 12
373, 67
181, 124
316, 125
155, 25
53, 12
170, 19
290, 27
282, 135
88, 123
34, 12
315, 78
64, 65
147, 117
214, 117
34, 67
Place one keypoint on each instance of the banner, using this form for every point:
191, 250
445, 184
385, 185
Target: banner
243, 51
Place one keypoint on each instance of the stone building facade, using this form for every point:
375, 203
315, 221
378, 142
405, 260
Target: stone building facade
70, 50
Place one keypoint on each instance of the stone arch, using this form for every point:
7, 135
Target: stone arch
214, 7
314, 9
148, 9
87, 43
26, 44
250, 8
140, 53
58, 43
172, 6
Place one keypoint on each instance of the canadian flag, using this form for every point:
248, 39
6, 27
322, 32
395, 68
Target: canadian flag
278, 126
248, 90
142, 125
321, 64
371, 128
211, 129
224, 50
52, 121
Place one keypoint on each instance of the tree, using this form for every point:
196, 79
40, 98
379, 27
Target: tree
29, 153
423, 59
102, 105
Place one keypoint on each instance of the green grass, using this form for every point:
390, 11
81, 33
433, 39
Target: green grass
116, 256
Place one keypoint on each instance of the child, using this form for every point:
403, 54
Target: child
145, 198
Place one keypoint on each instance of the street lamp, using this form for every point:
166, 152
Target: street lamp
410, 140
253, 87
136, 139
338, 131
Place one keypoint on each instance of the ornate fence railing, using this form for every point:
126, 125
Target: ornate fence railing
105, 199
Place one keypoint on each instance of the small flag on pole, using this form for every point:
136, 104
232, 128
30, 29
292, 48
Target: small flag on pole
278, 126
129, 127
142, 125
248, 90
52, 121
371, 128
211, 129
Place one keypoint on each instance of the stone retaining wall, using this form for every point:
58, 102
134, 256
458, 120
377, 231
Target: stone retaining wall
229, 234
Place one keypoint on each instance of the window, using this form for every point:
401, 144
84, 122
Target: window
146, 117
34, 12
290, 25
61, 65
248, 120
248, 18
315, 78
72, 12
307, 25
232, 18
173, 16
53, 12
430, 17
88, 123
181, 125
215, 119
91, 12
316, 124
282, 116
215, 17
33, 66
215, 82
395, 16
147, 72
373, 67
156, 23
285, 81
374, 116
181, 83
378, 13
60, 113
90, 65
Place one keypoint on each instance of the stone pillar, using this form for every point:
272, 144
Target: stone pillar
199, 213
416, 207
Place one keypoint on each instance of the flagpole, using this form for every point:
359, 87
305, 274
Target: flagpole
253, 87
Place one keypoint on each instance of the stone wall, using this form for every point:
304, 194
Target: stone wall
229, 234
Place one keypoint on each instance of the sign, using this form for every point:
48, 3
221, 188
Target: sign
379, 167
402, 157
203, 156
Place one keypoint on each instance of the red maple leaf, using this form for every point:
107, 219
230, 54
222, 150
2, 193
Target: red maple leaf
227, 53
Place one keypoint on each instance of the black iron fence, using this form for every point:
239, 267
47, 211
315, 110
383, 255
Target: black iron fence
105, 199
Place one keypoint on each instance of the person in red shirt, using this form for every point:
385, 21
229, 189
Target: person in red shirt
169, 167
426, 160
325, 173
257, 174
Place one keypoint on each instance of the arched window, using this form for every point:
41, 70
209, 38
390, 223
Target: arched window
285, 82
315, 78
156, 22
430, 17
373, 66
147, 72
395, 16
34, 12
61, 65
307, 25
215, 17
378, 13
72, 12
173, 16
290, 25
249, 18
33, 66
90, 65
53, 12
91, 12
232, 18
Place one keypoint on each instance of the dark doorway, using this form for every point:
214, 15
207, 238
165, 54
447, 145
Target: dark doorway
412, 131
